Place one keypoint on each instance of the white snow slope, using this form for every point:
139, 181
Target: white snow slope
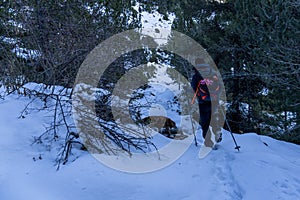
258, 171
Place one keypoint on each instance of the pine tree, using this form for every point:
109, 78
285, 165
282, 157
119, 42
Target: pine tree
255, 45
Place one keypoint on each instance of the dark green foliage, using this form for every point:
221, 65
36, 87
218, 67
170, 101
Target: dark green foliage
255, 45
63, 33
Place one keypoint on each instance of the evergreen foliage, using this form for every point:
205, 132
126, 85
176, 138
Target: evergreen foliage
255, 45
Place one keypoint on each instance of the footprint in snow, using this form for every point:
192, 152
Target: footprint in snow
288, 189
226, 183
262, 163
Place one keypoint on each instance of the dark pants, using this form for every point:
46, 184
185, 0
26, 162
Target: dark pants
205, 116
207, 113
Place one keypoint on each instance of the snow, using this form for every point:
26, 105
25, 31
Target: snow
264, 168
21, 52
26, 53
155, 26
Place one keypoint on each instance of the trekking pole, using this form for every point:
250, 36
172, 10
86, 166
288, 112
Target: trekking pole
227, 124
192, 102
195, 139
193, 128
191, 118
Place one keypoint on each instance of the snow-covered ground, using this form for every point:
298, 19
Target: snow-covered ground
264, 168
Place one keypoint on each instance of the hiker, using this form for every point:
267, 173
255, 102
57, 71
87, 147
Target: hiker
202, 77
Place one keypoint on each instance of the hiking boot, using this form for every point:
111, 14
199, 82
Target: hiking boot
218, 136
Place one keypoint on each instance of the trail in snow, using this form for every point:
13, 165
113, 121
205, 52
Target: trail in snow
226, 183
